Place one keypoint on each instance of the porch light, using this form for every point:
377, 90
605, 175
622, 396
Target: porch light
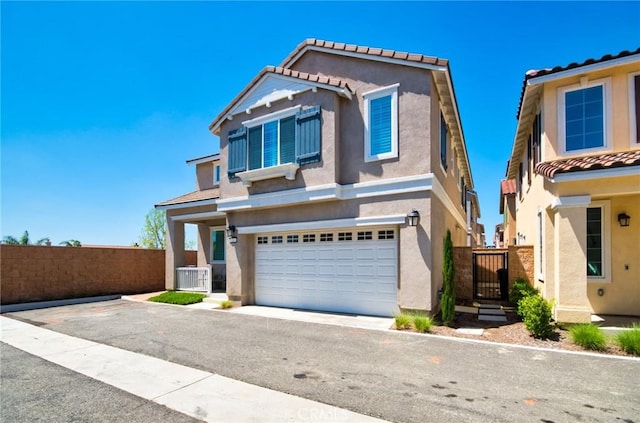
232, 234
624, 219
413, 217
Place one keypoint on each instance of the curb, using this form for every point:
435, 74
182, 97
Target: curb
9, 308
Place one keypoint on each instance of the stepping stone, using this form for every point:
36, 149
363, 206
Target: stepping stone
489, 318
492, 312
470, 331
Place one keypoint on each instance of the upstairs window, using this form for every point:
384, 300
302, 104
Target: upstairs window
288, 136
216, 174
381, 123
443, 143
582, 116
634, 108
536, 130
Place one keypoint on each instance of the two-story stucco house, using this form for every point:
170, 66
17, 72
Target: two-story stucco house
339, 173
576, 162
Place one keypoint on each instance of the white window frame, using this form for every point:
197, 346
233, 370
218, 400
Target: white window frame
216, 174
633, 125
605, 206
607, 115
213, 229
391, 90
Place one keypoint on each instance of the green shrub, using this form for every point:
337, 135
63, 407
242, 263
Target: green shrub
536, 313
226, 304
449, 291
422, 323
629, 340
403, 321
588, 336
520, 289
181, 298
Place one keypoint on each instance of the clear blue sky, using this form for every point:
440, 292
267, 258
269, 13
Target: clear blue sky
102, 102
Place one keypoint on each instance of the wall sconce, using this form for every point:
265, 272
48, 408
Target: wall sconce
624, 219
414, 217
232, 234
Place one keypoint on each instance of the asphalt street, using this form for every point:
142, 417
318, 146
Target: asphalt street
391, 375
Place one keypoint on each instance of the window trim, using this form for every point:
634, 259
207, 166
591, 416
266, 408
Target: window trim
633, 122
391, 90
213, 229
607, 115
605, 206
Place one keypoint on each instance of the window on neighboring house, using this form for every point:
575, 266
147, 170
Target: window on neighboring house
381, 123
520, 179
456, 168
217, 245
443, 142
594, 242
537, 140
634, 106
582, 119
529, 160
216, 174
463, 195
288, 136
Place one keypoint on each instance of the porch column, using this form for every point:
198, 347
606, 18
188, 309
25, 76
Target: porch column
174, 253
570, 260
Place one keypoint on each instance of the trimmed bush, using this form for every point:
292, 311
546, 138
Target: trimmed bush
181, 298
422, 323
537, 315
520, 289
629, 340
226, 304
588, 336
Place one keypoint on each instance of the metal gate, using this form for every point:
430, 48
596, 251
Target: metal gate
490, 275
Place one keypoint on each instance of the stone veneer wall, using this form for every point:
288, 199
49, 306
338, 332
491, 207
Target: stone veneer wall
40, 273
520, 265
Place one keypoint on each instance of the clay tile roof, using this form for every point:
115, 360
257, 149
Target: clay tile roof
285, 72
508, 186
192, 197
371, 51
556, 69
603, 161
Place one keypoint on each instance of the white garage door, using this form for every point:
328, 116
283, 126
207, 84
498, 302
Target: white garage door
345, 270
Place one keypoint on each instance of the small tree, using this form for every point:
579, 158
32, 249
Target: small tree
449, 292
154, 232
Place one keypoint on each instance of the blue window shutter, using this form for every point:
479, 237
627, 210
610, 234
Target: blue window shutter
255, 148
288, 140
380, 125
237, 161
308, 135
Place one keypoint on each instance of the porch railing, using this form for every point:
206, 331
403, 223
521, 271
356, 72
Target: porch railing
193, 279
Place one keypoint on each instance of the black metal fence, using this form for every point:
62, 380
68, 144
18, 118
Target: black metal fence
490, 275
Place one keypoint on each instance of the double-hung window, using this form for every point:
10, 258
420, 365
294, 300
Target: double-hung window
216, 174
217, 245
272, 142
381, 123
584, 115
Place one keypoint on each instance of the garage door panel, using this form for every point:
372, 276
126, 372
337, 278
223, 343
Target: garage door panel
338, 274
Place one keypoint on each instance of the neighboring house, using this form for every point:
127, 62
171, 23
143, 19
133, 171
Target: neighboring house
576, 161
498, 236
324, 162
508, 210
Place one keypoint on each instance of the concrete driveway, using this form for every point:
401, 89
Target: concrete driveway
394, 376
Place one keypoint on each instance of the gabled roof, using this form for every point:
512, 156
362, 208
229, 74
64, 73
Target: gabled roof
507, 187
309, 80
580, 164
204, 159
532, 89
195, 197
364, 51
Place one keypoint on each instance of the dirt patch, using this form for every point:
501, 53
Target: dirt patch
513, 331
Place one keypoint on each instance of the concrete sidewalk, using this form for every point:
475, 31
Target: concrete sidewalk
196, 393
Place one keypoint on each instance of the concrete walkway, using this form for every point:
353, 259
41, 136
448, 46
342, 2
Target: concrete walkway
196, 393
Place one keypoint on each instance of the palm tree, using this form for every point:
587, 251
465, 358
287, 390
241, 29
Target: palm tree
71, 243
24, 239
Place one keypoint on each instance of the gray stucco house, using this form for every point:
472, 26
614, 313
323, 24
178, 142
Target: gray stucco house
324, 161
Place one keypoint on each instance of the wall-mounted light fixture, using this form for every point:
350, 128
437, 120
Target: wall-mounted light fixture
624, 219
413, 217
232, 234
